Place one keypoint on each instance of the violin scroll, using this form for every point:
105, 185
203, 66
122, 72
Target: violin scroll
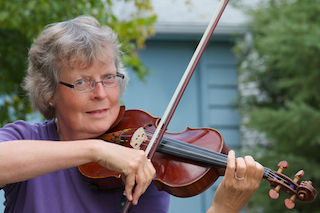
303, 192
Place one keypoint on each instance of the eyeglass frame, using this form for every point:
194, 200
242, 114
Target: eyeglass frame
94, 83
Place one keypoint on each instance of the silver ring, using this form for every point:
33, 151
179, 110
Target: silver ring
238, 177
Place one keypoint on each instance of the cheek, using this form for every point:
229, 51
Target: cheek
69, 102
114, 97
114, 100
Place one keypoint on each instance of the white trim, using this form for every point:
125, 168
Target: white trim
195, 28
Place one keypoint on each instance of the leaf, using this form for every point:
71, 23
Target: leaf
22, 21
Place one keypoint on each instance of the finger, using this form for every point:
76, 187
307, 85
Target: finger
143, 180
230, 170
254, 169
139, 189
151, 170
129, 186
240, 169
259, 171
250, 166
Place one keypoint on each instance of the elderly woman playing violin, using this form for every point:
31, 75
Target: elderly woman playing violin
75, 79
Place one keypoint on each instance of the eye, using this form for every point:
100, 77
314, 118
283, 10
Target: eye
82, 84
109, 77
110, 81
79, 82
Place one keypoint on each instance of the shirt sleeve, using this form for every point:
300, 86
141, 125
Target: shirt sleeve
19, 130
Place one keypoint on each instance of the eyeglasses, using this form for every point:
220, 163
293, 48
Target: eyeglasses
85, 85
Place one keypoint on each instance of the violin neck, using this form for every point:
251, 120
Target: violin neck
201, 155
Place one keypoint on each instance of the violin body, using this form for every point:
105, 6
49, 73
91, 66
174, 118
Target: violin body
177, 172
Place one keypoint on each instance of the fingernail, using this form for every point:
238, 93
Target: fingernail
231, 152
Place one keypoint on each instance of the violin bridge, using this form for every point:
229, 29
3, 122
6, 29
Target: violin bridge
138, 137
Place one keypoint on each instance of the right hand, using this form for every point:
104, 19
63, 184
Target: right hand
136, 170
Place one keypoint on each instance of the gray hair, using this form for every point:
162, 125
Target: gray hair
78, 41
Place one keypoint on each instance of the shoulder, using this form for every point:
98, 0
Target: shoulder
21, 130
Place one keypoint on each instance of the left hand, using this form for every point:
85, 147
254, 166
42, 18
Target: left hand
242, 179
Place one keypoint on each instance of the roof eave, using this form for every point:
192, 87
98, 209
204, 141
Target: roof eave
196, 29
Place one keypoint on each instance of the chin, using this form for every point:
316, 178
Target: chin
100, 129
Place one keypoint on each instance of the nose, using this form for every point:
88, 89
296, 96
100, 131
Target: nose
99, 91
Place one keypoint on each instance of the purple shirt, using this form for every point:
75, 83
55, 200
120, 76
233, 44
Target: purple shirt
66, 190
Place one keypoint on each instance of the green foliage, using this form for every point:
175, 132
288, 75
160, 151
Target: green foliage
21, 21
284, 103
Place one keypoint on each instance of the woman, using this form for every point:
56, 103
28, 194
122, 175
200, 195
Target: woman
75, 79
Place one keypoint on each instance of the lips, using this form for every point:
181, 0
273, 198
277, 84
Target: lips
97, 112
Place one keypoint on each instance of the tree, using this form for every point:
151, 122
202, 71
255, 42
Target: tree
22, 21
283, 105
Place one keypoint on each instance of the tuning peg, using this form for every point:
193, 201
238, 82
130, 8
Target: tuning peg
282, 165
274, 193
298, 176
289, 203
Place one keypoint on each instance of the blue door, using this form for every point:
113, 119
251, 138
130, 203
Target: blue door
207, 101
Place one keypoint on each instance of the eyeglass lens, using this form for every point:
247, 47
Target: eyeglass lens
85, 85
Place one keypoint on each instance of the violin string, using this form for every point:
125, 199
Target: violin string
268, 173
194, 154
273, 175
201, 153
218, 158
222, 159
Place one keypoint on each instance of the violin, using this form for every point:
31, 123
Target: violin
186, 163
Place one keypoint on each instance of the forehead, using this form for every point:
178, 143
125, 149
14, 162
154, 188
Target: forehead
83, 61
76, 68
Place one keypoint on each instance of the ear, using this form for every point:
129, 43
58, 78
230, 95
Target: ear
51, 102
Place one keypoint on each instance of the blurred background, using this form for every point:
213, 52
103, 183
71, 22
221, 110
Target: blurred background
257, 82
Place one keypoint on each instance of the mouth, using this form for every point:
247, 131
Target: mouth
97, 112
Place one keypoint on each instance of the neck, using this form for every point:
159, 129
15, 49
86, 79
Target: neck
58, 129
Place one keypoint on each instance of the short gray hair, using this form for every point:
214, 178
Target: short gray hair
78, 41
